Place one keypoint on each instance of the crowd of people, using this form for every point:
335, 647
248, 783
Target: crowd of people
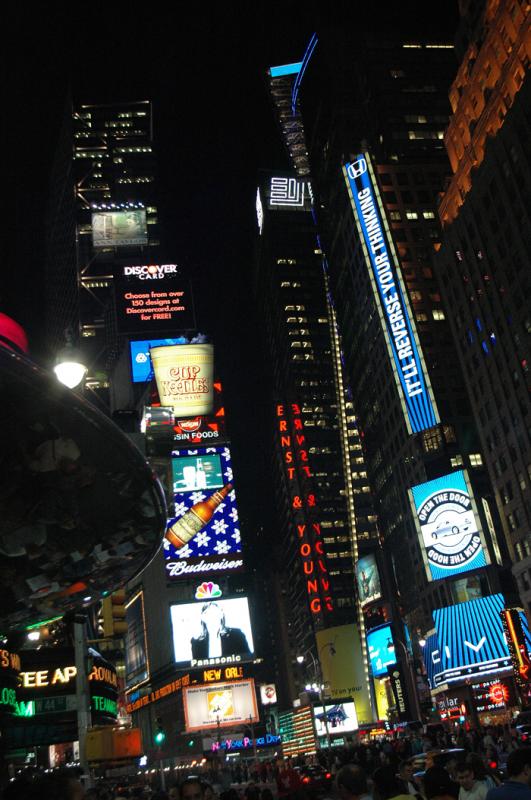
384, 770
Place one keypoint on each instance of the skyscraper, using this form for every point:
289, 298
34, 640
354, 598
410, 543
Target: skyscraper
374, 116
101, 214
485, 251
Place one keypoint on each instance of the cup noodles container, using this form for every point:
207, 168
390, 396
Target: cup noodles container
185, 378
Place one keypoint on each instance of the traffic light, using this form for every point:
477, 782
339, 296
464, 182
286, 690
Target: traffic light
160, 734
112, 619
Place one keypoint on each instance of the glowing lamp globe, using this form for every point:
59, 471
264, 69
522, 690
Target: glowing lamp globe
70, 373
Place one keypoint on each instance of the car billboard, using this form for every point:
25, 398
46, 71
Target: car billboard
448, 526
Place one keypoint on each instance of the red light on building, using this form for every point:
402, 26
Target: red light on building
12, 335
499, 693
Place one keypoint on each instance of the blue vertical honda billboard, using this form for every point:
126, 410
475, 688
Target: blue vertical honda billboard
384, 270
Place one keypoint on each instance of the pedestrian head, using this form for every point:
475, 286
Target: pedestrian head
191, 789
465, 775
351, 782
519, 765
437, 782
386, 783
405, 769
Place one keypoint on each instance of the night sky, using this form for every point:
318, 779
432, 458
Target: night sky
203, 65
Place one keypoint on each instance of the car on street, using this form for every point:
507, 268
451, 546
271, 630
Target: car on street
315, 777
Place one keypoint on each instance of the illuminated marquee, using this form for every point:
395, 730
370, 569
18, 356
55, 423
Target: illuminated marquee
409, 368
298, 471
514, 630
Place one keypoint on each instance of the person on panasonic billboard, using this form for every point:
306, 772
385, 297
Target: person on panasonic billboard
216, 639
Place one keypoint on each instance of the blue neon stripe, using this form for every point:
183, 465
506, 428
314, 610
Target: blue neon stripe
420, 410
285, 69
305, 60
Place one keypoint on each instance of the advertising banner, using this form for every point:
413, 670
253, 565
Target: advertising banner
233, 744
398, 687
220, 705
341, 719
217, 544
470, 640
448, 526
493, 695
213, 632
143, 306
139, 350
368, 580
268, 694
389, 291
381, 650
184, 375
343, 667
136, 652
288, 193
119, 228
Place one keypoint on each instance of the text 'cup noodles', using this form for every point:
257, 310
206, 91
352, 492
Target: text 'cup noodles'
185, 375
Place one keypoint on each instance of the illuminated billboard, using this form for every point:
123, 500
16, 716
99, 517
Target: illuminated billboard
119, 228
217, 545
197, 472
141, 367
288, 193
381, 650
219, 705
144, 305
368, 580
210, 633
449, 526
136, 652
470, 640
185, 378
341, 719
395, 314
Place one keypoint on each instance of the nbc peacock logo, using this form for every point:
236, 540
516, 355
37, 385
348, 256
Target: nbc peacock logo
207, 591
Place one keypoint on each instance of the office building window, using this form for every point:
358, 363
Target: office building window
475, 460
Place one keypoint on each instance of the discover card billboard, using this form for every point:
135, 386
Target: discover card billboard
448, 526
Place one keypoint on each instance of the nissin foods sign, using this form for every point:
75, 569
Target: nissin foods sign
410, 371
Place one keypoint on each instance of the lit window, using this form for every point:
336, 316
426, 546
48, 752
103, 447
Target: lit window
456, 461
421, 317
428, 214
432, 440
438, 314
415, 296
475, 460
411, 215
395, 216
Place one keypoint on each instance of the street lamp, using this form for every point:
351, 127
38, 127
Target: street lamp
319, 686
69, 367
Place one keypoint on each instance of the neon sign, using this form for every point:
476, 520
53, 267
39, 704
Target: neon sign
303, 501
397, 322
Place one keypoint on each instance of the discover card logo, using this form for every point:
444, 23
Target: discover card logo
151, 272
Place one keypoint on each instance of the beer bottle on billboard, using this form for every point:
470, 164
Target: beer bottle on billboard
195, 519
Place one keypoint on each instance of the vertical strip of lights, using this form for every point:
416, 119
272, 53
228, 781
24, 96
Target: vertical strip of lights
337, 362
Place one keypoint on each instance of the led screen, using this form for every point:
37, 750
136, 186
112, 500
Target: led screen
381, 650
217, 545
119, 228
397, 321
470, 640
215, 632
197, 472
448, 526
341, 719
369, 588
141, 367
220, 705
144, 306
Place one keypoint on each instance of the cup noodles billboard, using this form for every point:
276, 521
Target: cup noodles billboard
185, 379
219, 705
